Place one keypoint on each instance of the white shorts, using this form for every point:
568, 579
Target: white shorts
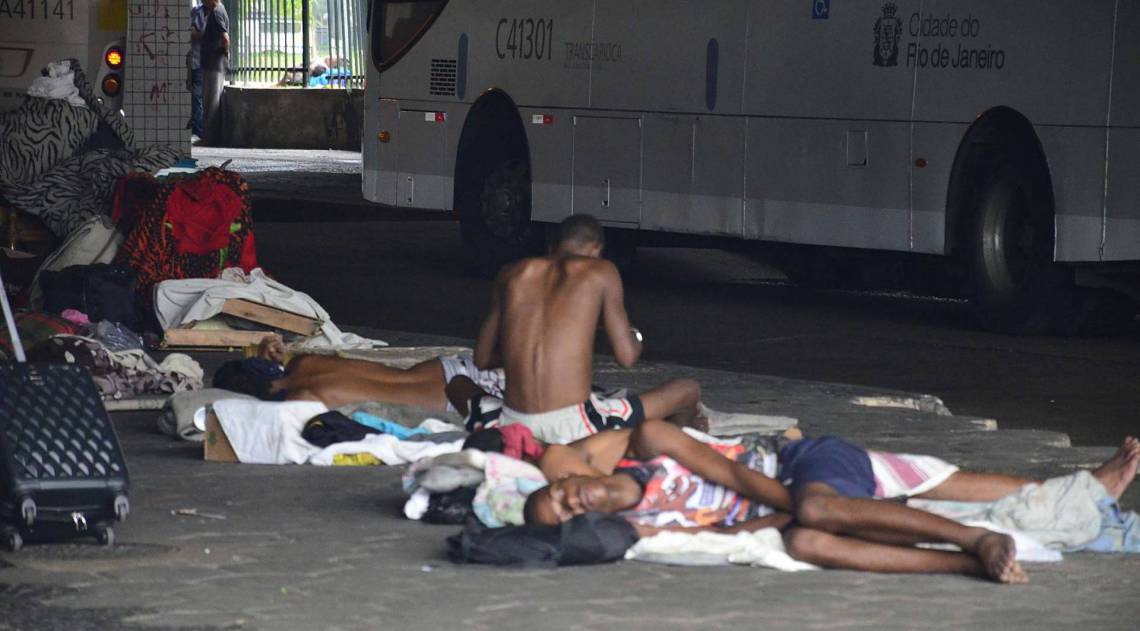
491, 381
578, 421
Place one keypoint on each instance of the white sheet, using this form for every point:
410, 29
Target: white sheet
762, 548
179, 302
268, 432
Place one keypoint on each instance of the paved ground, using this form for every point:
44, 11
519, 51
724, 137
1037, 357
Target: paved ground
306, 548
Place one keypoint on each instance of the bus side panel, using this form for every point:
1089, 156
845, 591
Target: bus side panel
505, 51
1076, 164
1048, 59
841, 183
379, 159
824, 68
551, 153
828, 141
1123, 229
694, 174
425, 154
937, 144
29, 41
655, 55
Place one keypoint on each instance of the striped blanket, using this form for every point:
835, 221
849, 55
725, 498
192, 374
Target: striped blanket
907, 475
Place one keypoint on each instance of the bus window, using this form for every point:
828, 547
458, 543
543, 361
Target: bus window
397, 25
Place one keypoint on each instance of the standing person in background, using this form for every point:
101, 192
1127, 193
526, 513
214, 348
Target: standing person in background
215, 51
194, 65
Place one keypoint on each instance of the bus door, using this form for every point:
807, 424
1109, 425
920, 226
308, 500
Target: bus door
607, 169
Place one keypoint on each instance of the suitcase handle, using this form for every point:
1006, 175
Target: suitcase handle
17, 345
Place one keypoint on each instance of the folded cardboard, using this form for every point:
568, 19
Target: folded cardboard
216, 446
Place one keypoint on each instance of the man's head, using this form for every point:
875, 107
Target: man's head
581, 235
565, 498
210, 4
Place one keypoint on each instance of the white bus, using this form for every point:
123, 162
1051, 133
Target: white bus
34, 33
1006, 134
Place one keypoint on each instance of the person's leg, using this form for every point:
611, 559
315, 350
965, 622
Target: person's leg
833, 551
197, 117
818, 506
459, 392
966, 486
675, 400
1116, 474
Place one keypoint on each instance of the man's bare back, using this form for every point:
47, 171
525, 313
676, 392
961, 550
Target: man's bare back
542, 324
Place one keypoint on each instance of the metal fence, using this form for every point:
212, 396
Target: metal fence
309, 43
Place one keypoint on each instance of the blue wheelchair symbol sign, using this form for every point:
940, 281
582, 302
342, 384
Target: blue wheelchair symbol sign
820, 9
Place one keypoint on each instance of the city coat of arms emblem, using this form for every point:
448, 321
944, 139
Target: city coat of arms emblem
888, 30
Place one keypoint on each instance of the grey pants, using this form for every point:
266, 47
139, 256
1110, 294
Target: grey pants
212, 85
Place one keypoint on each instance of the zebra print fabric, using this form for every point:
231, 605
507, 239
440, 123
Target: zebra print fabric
40, 172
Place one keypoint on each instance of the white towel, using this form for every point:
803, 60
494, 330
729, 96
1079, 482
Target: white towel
762, 548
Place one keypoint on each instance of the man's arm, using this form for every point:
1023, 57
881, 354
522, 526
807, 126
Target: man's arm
487, 355
594, 455
624, 343
655, 437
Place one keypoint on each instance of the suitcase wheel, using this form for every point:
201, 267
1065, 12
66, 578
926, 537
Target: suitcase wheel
28, 511
122, 507
13, 541
105, 535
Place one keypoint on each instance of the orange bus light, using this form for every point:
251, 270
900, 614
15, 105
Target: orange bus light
114, 57
384, 136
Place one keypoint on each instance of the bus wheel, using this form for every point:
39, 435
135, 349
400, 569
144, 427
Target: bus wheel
496, 224
1017, 286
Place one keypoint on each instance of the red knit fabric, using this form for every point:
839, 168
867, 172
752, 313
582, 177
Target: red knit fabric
193, 227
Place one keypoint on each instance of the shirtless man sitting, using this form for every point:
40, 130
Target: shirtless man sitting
541, 327
662, 479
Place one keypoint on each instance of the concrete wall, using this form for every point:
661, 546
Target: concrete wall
282, 118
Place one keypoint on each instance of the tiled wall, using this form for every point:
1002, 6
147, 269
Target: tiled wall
156, 102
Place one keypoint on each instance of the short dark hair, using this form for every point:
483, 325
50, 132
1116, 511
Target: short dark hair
582, 229
530, 507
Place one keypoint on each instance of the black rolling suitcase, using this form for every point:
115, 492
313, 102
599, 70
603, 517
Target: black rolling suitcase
62, 472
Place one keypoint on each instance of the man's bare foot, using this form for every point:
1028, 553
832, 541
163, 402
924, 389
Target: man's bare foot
1120, 470
272, 347
998, 554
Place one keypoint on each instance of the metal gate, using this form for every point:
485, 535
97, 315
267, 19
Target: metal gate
304, 43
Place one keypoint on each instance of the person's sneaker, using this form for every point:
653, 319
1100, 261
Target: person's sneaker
195, 139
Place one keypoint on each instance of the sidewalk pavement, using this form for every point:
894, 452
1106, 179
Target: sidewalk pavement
304, 547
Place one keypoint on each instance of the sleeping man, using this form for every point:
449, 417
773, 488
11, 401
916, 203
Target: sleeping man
825, 494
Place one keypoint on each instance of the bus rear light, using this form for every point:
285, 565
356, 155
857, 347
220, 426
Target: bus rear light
435, 117
384, 136
541, 119
112, 84
114, 57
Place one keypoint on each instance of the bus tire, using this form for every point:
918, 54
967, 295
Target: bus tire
1018, 288
494, 217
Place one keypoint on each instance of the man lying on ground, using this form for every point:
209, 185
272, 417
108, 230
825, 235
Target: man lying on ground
442, 383
824, 504
541, 327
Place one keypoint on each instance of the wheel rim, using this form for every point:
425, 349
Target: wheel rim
505, 202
